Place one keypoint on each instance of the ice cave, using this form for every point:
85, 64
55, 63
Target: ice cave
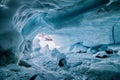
59, 39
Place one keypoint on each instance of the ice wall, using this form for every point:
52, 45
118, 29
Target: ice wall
93, 28
10, 38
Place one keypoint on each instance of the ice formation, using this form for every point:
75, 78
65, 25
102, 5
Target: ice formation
84, 33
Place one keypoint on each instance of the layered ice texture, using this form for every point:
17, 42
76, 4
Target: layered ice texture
68, 22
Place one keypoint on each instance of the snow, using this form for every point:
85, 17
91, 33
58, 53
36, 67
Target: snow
80, 66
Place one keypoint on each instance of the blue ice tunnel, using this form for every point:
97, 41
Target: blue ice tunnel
56, 17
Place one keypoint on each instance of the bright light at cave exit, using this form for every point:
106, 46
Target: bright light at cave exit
46, 39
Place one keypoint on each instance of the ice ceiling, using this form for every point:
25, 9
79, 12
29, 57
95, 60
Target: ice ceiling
52, 17
64, 19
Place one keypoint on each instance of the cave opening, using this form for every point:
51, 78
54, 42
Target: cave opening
44, 40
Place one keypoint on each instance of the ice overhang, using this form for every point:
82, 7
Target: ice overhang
54, 18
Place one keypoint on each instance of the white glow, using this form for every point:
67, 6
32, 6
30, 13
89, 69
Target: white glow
51, 44
43, 42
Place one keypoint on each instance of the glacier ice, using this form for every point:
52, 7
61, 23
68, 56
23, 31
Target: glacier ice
69, 22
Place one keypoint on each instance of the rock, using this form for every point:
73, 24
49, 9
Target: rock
61, 58
101, 54
33, 77
38, 78
62, 62
8, 57
109, 51
24, 63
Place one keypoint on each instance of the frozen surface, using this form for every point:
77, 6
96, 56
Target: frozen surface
80, 66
